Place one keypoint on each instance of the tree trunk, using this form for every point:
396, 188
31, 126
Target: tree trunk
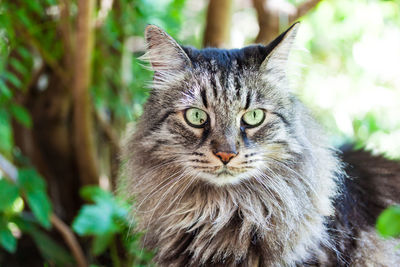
268, 22
218, 23
48, 143
85, 150
276, 15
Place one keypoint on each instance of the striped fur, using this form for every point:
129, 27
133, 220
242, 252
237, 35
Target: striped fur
271, 204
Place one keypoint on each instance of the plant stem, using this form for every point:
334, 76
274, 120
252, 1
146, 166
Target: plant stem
114, 253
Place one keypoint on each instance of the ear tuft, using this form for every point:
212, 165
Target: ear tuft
282, 45
163, 52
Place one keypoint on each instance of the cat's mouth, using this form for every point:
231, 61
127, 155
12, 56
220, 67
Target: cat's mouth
224, 172
222, 175
225, 175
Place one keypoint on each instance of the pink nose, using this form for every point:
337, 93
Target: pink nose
225, 157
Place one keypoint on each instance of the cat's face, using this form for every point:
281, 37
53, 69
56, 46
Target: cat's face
221, 115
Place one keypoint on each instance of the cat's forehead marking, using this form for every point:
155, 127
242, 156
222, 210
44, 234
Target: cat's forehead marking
221, 89
223, 79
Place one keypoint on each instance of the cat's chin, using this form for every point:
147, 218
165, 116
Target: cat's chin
223, 178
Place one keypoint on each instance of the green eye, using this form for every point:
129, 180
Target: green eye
196, 117
253, 117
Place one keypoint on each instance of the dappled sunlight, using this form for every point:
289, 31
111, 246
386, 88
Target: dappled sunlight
356, 77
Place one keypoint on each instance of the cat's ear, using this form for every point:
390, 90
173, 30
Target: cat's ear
276, 60
163, 52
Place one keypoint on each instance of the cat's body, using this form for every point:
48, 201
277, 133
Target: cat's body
372, 184
227, 168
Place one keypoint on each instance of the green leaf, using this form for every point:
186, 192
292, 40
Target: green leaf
51, 2
103, 217
25, 54
6, 144
7, 240
388, 223
94, 193
23, 17
34, 189
21, 115
4, 90
30, 180
40, 205
35, 6
8, 194
17, 65
13, 79
101, 242
95, 220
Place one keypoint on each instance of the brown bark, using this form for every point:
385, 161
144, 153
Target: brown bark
83, 124
268, 22
303, 9
270, 17
66, 33
48, 142
218, 23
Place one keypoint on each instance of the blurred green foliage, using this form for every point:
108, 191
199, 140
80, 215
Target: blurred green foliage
388, 223
350, 76
105, 219
119, 83
29, 188
34, 191
28, 34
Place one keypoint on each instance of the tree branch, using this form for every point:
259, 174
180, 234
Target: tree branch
268, 22
272, 14
11, 172
8, 169
69, 239
303, 9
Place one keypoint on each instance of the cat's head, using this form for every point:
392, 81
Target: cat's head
221, 115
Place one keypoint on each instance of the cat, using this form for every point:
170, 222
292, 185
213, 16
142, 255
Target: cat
226, 167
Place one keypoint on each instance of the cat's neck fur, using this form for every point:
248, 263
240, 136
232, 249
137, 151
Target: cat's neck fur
198, 223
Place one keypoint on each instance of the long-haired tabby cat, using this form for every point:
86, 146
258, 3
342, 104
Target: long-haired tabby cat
227, 168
